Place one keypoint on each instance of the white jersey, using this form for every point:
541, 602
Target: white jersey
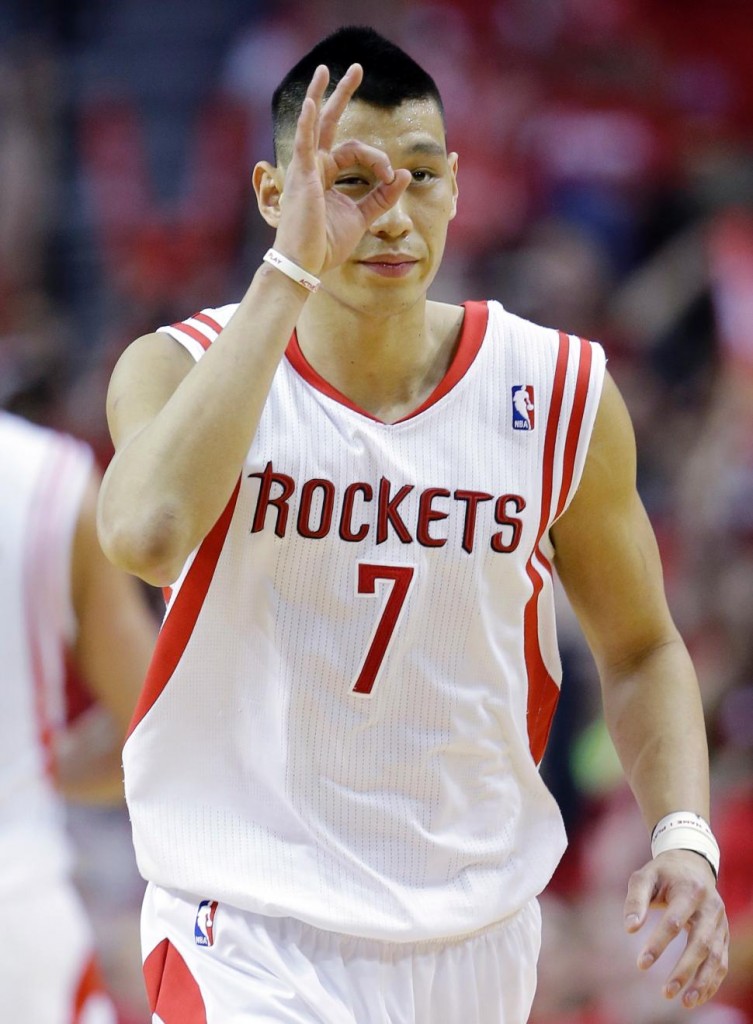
358, 667
42, 480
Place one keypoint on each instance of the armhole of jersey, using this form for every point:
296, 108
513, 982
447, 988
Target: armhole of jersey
587, 369
68, 470
185, 603
196, 333
50, 619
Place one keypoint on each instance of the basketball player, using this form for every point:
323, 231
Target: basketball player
333, 773
58, 595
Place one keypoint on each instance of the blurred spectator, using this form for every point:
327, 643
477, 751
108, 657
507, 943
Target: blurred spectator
60, 598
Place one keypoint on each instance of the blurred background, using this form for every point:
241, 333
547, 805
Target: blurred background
606, 188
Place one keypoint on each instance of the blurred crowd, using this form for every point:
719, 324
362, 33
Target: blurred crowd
606, 188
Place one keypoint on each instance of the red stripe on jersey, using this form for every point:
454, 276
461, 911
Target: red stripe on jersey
179, 625
34, 583
172, 991
90, 984
192, 332
204, 318
40, 589
471, 336
543, 692
576, 422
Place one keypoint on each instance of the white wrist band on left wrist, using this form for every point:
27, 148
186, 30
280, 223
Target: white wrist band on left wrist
686, 830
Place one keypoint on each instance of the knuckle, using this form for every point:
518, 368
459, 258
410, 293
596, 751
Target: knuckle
637, 877
717, 958
697, 889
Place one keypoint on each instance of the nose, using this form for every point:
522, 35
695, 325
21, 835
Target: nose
393, 223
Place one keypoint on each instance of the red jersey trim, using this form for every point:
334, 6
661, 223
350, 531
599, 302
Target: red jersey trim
38, 555
543, 692
172, 991
471, 336
192, 332
582, 382
210, 322
181, 620
91, 983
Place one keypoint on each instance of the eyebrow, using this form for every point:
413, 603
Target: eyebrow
427, 148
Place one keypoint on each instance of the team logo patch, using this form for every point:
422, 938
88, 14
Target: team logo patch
523, 407
203, 929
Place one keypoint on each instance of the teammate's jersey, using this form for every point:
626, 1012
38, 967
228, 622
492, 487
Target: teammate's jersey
356, 673
42, 481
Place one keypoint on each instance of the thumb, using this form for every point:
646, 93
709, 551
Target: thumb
639, 895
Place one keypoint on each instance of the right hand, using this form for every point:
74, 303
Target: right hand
319, 226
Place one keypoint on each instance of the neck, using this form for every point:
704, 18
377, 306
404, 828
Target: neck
386, 365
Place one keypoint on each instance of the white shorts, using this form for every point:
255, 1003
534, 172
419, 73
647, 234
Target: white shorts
206, 963
48, 974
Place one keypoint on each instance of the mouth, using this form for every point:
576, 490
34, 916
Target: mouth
389, 264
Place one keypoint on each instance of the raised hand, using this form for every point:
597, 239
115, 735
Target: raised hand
319, 226
682, 885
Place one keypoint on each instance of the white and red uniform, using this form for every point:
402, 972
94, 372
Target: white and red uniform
357, 670
47, 972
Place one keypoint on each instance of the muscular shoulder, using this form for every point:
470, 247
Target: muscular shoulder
610, 469
144, 378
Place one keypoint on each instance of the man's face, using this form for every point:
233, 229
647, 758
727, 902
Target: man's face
399, 255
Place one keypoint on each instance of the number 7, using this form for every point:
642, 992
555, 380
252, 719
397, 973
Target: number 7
401, 576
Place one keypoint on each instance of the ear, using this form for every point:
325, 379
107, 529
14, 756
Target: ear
268, 182
453, 161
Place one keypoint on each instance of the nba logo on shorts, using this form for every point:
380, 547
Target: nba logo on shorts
523, 407
203, 930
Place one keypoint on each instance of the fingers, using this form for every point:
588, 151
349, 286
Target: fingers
333, 109
640, 892
374, 163
701, 968
685, 888
384, 196
317, 124
355, 154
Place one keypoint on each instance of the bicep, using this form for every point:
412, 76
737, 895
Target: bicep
606, 553
144, 379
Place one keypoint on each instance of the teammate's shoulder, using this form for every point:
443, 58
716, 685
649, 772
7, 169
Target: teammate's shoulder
23, 436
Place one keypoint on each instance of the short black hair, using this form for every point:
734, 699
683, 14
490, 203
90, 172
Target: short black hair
390, 77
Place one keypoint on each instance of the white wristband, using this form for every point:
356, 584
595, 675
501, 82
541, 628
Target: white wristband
292, 270
686, 830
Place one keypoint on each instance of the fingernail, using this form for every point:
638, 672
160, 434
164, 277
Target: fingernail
631, 921
691, 998
646, 960
672, 989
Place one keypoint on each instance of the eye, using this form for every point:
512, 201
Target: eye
422, 175
352, 181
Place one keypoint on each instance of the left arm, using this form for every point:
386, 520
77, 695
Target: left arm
608, 561
114, 639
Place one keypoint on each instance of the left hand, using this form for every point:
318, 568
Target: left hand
681, 883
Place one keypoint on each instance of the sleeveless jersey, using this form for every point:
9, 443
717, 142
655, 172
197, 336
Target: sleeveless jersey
42, 479
357, 669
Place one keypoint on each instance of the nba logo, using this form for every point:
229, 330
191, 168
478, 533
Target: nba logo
203, 929
523, 407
